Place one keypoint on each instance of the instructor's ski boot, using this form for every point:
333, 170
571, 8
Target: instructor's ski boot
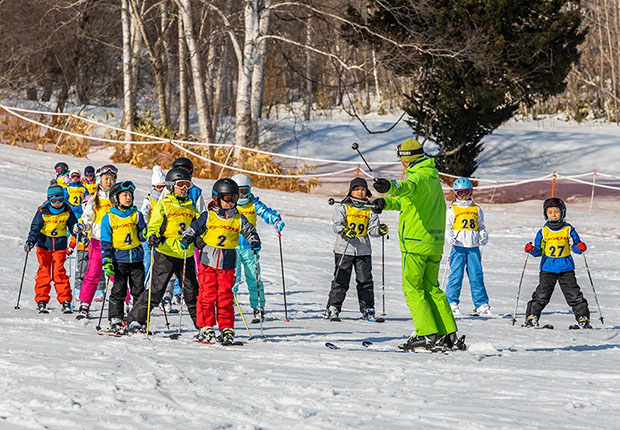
227, 336
584, 322
206, 335
66, 307
419, 342
531, 321
42, 307
450, 342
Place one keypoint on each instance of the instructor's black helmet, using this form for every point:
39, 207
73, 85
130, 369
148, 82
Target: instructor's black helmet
176, 174
554, 202
184, 163
225, 187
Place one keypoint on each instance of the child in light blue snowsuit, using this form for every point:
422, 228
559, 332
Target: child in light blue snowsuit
465, 232
252, 208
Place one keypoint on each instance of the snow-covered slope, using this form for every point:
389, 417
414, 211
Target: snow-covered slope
56, 373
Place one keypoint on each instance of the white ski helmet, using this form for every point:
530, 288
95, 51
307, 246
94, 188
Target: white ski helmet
158, 177
244, 183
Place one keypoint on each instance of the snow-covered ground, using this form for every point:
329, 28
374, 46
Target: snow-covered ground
55, 372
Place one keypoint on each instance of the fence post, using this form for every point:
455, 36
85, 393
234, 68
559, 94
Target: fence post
593, 186
163, 161
553, 184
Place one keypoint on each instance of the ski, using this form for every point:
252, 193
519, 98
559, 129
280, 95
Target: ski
335, 319
235, 343
44, 311
80, 317
541, 327
113, 334
380, 320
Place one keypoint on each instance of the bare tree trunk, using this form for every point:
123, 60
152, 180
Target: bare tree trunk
602, 55
128, 96
222, 53
611, 61
244, 82
167, 49
308, 112
258, 74
136, 47
183, 96
376, 77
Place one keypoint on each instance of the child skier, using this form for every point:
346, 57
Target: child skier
62, 170
553, 244
89, 180
465, 233
353, 222
75, 192
219, 228
170, 217
251, 207
122, 230
158, 183
48, 231
94, 210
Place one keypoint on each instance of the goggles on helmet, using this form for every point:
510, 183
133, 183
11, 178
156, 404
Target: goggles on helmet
108, 169
59, 170
183, 183
464, 193
405, 153
229, 198
128, 186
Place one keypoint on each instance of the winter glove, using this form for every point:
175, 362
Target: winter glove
382, 185
582, 247
349, 232
199, 242
153, 241
28, 245
188, 238
451, 240
383, 229
528, 247
254, 243
69, 250
108, 268
85, 240
279, 225
484, 238
379, 205
78, 228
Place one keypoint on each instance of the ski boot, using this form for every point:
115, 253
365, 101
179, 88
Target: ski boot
531, 321
118, 326
206, 335
419, 342
369, 314
227, 336
83, 311
66, 307
99, 296
259, 315
456, 311
450, 342
333, 314
42, 307
167, 304
584, 322
484, 310
136, 327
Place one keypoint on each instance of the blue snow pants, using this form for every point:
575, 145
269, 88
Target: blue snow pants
461, 258
245, 259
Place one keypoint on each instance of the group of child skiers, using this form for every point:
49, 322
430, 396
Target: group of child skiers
206, 247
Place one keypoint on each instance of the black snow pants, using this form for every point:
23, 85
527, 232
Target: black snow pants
363, 277
124, 273
570, 289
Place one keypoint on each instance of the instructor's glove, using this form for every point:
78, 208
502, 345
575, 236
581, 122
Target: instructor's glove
254, 242
108, 268
582, 247
528, 247
349, 232
484, 238
28, 245
379, 205
383, 229
382, 185
153, 241
78, 228
279, 225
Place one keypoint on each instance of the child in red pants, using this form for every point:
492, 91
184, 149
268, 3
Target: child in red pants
216, 233
48, 232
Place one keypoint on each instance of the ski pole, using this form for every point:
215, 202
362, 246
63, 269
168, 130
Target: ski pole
332, 202
514, 317
283, 286
182, 283
355, 147
260, 310
245, 323
148, 306
593, 290
383, 273
21, 284
105, 293
165, 316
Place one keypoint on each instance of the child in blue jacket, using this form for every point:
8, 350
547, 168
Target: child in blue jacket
122, 231
251, 207
552, 243
75, 192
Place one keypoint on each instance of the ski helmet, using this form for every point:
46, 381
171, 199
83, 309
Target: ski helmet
225, 187
176, 174
118, 188
410, 150
158, 177
89, 171
61, 168
463, 188
184, 163
245, 188
554, 202
75, 172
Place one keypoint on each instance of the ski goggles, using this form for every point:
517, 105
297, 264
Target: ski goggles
76, 176
159, 188
89, 175
408, 152
183, 184
60, 171
244, 191
464, 194
128, 186
108, 169
56, 199
229, 198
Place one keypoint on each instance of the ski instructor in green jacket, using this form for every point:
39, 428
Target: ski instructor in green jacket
421, 228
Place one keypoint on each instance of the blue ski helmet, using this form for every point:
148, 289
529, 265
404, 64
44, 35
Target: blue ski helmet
462, 184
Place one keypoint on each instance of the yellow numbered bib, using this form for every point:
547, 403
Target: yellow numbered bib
92, 188
465, 218
178, 219
357, 219
556, 243
55, 225
222, 233
153, 203
76, 195
249, 211
104, 206
124, 231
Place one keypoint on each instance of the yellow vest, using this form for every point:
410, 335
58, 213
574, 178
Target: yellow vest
178, 219
222, 233
358, 219
465, 218
92, 188
249, 211
55, 225
556, 243
124, 231
76, 195
103, 207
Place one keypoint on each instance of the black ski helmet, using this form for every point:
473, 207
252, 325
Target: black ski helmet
61, 168
184, 163
554, 202
222, 187
118, 188
176, 174
89, 170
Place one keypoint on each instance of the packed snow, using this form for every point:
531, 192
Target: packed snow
57, 373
